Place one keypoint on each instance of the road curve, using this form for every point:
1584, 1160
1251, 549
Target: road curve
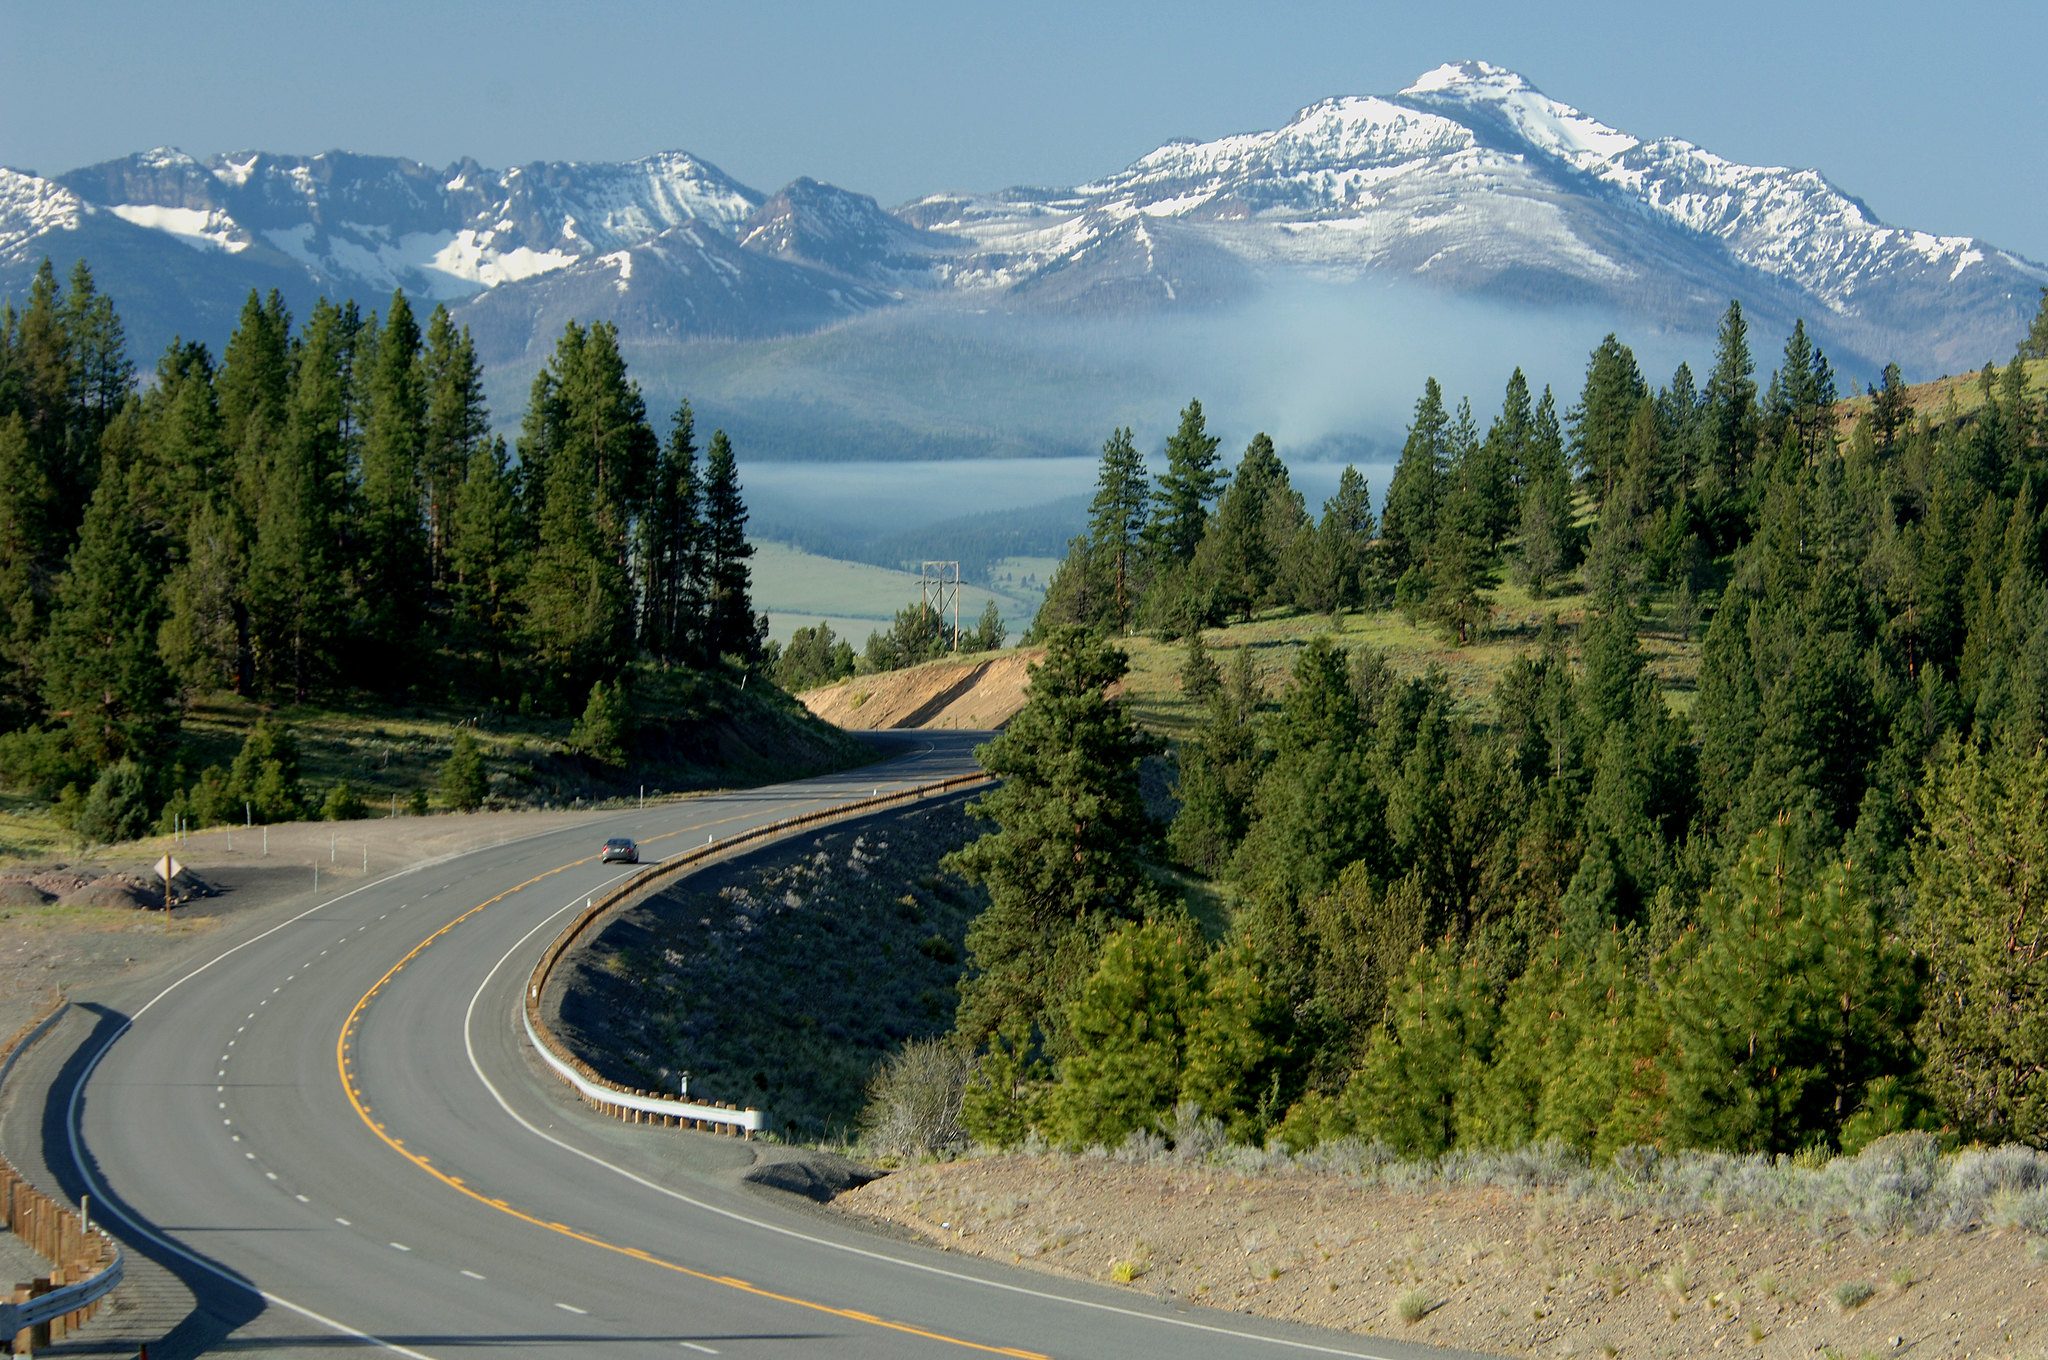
429, 1190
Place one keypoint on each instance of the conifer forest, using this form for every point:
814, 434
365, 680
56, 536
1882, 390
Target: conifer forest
321, 512
1802, 912
1800, 906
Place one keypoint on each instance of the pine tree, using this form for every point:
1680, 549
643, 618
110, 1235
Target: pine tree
1060, 867
1128, 1030
1253, 527
1978, 879
1784, 1007
1549, 542
484, 552
730, 628
1238, 1046
1731, 404
1328, 562
1421, 1079
1218, 769
24, 591
1187, 488
102, 377
1116, 518
1408, 521
577, 620
2035, 346
1891, 409
455, 424
252, 390
1600, 422
392, 562
464, 784
100, 667
672, 559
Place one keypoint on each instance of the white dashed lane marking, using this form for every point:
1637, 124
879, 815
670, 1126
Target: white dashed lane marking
401, 1246
572, 1308
472, 1274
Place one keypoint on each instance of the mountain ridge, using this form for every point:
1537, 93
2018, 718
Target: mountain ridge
1470, 180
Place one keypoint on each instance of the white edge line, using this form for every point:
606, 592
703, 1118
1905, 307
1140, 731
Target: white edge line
110, 1208
469, 1044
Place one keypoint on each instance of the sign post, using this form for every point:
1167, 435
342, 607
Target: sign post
168, 869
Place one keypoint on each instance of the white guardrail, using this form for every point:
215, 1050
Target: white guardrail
65, 1299
634, 1105
751, 1120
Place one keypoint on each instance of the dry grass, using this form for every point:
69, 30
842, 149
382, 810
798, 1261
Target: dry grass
1515, 626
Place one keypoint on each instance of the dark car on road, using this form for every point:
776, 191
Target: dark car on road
620, 850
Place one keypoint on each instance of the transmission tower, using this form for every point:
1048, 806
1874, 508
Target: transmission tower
936, 592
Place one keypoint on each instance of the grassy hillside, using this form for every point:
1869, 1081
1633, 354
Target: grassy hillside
1931, 399
693, 731
1515, 625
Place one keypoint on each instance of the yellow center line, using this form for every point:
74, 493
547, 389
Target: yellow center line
362, 1109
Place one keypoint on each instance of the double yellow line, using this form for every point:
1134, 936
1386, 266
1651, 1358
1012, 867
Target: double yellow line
362, 1109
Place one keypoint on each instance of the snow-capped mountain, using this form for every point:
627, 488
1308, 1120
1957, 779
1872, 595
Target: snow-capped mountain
1476, 181
1470, 180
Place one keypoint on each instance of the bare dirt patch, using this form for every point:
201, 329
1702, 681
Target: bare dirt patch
978, 694
1483, 1269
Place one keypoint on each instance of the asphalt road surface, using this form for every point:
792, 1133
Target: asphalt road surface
423, 1186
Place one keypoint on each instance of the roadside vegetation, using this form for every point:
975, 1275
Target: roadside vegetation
1722, 839
301, 578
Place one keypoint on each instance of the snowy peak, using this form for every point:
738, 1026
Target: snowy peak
1483, 92
31, 207
848, 233
382, 222
1469, 180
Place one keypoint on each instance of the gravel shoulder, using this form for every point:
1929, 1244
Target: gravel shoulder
1496, 1271
72, 924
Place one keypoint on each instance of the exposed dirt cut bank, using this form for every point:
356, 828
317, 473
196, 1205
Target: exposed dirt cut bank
976, 695
1481, 1269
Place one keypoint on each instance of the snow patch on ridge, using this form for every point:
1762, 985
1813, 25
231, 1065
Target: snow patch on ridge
200, 228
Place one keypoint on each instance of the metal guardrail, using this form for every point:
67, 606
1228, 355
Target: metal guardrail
52, 1306
623, 1102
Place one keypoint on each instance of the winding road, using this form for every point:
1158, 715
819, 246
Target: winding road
333, 1133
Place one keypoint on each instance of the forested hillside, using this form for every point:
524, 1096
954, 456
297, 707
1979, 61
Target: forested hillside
1803, 914
320, 515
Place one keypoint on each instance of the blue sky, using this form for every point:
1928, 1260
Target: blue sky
1933, 116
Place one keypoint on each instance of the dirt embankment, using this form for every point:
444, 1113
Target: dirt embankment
977, 695
1482, 1269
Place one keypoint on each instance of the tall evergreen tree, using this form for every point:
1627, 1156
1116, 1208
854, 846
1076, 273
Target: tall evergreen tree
1058, 867
1600, 422
1116, 518
730, 627
24, 588
1408, 520
392, 559
1191, 482
2035, 346
672, 547
1731, 408
484, 551
101, 672
455, 423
